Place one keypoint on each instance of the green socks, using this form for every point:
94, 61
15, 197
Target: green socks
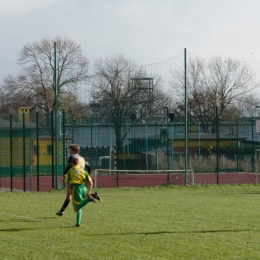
78, 217
82, 204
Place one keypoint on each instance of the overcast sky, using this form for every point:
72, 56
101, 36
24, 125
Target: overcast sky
148, 31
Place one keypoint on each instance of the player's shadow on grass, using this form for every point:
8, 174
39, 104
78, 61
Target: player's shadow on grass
27, 229
25, 220
136, 233
15, 229
20, 220
177, 232
197, 232
251, 193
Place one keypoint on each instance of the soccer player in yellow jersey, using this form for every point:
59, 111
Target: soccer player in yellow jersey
74, 150
80, 184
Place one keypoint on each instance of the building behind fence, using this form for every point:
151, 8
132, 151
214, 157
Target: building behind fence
28, 159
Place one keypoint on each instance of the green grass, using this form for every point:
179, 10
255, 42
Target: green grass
177, 222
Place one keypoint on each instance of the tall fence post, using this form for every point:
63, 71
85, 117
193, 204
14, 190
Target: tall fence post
186, 118
24, 172
63, 139
11, 152
56, 115
52, 146
252, 145
38, 154
217, 143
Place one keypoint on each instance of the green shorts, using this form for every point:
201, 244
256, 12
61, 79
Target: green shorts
78, 194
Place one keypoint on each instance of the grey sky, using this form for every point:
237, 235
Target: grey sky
147, 31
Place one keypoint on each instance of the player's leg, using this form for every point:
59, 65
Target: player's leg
66, 202
78, 218
83, 202
64, 206
81, 192
96, 196
78, 196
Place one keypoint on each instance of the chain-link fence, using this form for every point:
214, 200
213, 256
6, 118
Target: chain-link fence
28, 158
27, 151
153, 145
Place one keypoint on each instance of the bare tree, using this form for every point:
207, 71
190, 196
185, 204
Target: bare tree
124, 92
35, 86
215, 85
249, 106
7, 105
73, 108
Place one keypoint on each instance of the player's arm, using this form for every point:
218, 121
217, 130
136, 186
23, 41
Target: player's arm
88, 183
69, 165
87, 168
67, 185
68, 190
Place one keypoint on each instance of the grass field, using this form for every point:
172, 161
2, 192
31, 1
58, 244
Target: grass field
174, 222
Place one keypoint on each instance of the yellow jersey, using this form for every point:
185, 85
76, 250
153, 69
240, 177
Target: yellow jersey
77, 176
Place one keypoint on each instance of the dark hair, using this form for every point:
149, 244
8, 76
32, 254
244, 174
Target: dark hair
74, 147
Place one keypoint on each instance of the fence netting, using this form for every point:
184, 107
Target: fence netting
32, 158
29, 159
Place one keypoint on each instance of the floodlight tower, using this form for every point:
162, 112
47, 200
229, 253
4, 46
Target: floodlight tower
142, 89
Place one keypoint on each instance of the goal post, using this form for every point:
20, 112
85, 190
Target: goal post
107, 178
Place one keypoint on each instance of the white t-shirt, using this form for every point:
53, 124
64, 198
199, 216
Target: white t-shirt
82, 161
